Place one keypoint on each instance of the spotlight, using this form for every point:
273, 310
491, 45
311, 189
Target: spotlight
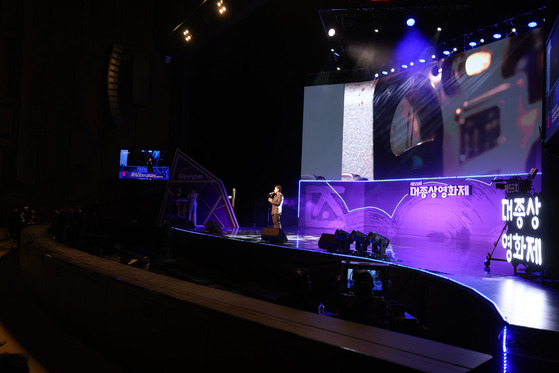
533, 173
379, 242
446, 53
331, 32
221, 7
497, 35
410, 22
532, 24
472, 44
187, 35
422, 60
343, 240
360, 240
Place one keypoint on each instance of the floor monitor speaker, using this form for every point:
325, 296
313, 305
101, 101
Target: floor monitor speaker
273, 235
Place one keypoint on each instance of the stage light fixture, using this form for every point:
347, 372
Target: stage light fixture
187, 35
379, 242
331, 32
439, 29
472, 44
533, 173
532, 24
410, 21
422, 60
343, 239
497, 35
221, 7
360, 240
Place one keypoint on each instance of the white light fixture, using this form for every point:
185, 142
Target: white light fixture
187, 35
221, 7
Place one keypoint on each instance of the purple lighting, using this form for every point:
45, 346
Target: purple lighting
411, 46
460, 209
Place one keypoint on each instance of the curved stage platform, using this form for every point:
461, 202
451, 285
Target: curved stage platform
520, 298
105, 301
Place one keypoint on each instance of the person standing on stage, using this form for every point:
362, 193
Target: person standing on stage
192, 205
276, 199
150, 167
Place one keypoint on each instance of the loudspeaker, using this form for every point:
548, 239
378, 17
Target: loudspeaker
328, 241
273, 235
188, 225
212, 227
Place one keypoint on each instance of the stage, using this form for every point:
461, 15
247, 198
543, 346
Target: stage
521, 298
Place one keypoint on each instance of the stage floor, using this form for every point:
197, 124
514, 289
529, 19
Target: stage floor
522, 299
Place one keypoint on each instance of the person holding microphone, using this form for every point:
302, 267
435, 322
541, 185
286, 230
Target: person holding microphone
276, 199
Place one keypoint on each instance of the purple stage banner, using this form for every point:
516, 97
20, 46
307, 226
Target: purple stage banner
441, 209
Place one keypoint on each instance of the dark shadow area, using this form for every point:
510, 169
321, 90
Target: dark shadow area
47, 341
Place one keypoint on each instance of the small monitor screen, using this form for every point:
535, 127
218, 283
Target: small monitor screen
144, 164
379, 272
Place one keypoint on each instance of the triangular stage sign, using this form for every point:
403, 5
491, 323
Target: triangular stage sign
211, 206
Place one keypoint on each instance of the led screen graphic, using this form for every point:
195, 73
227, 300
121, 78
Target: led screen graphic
144, 164
472, 113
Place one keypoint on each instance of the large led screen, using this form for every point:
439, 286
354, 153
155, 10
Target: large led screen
472, 113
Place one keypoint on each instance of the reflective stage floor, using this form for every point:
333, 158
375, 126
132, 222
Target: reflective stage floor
523, 298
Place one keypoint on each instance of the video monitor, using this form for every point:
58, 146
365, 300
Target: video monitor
144, 164
379, 272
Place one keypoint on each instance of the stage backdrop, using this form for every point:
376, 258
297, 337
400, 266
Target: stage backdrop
478, 112
457, 209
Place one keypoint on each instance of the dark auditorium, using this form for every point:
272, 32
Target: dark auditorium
279, 186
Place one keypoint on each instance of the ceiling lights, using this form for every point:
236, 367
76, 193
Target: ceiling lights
341, 22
